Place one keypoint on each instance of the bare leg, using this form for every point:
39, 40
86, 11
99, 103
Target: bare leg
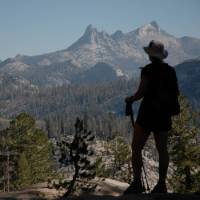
139, 139
161, 145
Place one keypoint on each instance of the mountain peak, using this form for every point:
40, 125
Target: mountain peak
150, 27
93, 36
90, 29
90, 34
89, 37
118, 34
154, 24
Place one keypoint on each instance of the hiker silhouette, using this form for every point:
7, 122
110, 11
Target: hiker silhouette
159, 89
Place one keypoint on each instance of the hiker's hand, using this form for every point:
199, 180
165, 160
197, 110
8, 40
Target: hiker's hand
129, 99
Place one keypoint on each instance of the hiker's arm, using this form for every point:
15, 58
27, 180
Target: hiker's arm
140, 91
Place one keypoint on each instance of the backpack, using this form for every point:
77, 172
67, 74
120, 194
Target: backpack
166, 96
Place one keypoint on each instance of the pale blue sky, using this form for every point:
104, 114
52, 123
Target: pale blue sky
33, 27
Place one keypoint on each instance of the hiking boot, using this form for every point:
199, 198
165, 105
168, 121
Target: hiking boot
159, 188
135, 187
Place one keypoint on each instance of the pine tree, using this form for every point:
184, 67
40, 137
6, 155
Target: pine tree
77, 153
24, 172
185, 150
121, 153
62, 127
100, 168
48, 128
29, 148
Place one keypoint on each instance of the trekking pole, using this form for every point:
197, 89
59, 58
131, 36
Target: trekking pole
145, 177
129, 112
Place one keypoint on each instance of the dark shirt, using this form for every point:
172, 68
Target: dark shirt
158, 75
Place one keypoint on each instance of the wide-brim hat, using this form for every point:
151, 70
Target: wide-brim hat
156, 49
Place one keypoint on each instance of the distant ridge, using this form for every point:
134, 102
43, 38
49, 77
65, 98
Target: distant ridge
122, 51
188, 73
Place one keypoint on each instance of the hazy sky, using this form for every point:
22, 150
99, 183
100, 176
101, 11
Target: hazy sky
39, 26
